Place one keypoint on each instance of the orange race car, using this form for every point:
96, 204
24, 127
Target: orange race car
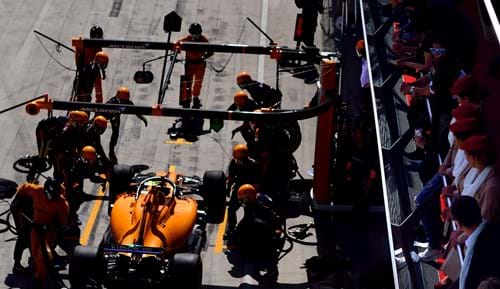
156, 232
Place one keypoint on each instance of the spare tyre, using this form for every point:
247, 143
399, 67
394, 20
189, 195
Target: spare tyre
7, 188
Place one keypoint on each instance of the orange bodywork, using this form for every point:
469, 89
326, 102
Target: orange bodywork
153, 219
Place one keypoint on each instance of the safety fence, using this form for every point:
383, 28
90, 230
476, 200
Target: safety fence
395, 135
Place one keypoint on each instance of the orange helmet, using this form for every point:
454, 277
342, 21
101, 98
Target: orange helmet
89, 153
79, 116
247, 192
360, 47
240, 151
243, 78
123, 93
100, 121
240, 98
102, 57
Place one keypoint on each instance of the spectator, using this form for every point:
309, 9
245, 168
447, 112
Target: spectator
489, 283
431, 220
422, 62
482, 251
481, 180
436, 86
364, 78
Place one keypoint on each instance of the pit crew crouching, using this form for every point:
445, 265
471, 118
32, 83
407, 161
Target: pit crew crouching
68, 143
260, 220
92, 137
242, 170
86, 166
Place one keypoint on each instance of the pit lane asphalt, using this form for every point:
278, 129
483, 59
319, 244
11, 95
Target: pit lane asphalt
27, 70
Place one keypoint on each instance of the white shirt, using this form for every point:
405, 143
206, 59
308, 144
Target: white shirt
469, 244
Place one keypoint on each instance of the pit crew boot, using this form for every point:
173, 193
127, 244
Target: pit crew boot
196, 103
19, 269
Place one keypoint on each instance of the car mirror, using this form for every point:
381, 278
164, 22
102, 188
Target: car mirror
143, 76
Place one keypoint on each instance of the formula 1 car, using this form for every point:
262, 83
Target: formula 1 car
156, 232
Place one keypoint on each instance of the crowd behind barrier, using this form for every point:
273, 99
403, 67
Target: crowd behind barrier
430, 99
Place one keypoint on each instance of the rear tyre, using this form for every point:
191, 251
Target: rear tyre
187, 271
7, 188
119, 182
292, 133
214, 183
85, 268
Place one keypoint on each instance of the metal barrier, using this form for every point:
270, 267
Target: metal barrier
393, 157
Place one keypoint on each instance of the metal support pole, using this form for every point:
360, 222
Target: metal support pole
173, 59
33, 108
160, 98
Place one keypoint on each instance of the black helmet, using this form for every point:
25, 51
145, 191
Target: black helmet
195, 28
52, 189
96, 32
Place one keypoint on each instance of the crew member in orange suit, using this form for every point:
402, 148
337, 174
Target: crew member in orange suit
194, 66
87, 72
50, 213
84, 55
90, 78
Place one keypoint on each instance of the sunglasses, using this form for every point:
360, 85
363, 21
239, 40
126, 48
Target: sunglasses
438, 51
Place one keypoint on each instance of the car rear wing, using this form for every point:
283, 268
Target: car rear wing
134, 249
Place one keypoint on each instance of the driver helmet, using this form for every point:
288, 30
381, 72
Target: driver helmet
247, 193
96, 32
195, 30
52, 189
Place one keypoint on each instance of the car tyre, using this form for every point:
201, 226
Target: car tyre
84, 267
214, 183
119, 181
187, 271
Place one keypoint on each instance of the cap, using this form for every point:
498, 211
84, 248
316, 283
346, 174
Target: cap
466, 110
360, 45
464, 85
476, 143
465, 125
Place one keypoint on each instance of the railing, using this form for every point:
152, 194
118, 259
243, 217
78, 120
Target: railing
396, 143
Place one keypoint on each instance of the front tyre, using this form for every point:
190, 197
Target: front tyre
214, 184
